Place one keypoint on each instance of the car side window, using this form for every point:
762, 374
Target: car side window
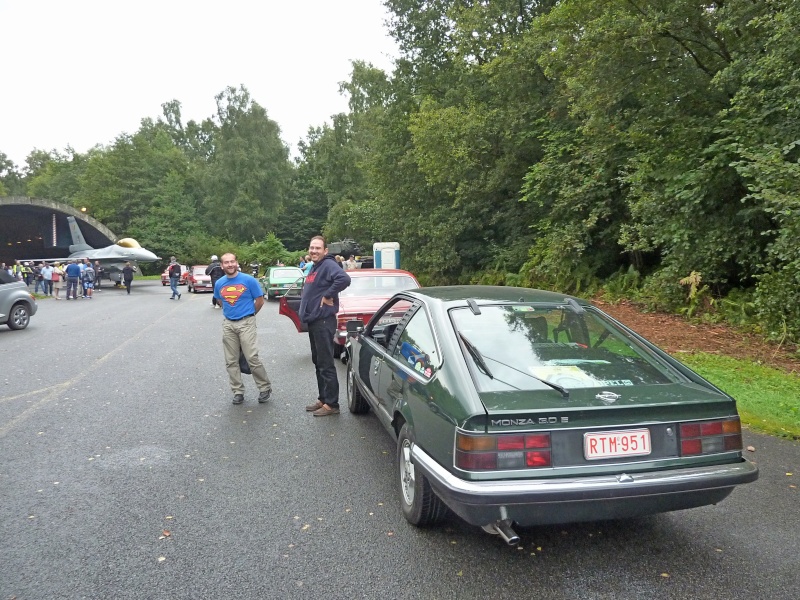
416, 345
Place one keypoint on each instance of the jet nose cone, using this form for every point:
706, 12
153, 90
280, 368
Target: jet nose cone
143, 255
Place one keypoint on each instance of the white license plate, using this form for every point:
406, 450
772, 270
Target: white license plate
609, 444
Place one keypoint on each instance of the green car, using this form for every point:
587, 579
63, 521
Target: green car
518, 406
279, 279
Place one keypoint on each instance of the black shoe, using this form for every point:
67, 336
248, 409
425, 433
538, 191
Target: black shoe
179, 296
264, 396
237, 398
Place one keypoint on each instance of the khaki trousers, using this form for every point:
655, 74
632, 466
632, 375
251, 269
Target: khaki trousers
242, 334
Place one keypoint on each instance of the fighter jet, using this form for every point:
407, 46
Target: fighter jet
112, 258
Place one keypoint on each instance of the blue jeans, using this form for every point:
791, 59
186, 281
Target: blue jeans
72, 287
173, 284
320, 334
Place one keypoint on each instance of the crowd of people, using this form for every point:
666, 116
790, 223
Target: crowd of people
79, 276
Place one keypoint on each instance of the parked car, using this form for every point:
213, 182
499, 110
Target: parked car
367, 292
182, 281
518, 406
17, 304
197, 280
279, 279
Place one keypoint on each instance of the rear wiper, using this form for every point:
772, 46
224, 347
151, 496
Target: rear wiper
564, 391
476, 355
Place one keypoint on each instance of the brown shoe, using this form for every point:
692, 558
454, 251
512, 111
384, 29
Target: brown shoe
316, 406
325, 411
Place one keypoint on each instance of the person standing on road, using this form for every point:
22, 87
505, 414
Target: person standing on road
99, 271
73, 276
127, 276
47, 279
58, 278
87, 277
319, 303
214, 270
241, 298
174, 277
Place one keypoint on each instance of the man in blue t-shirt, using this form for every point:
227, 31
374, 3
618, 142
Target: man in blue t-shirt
241, 297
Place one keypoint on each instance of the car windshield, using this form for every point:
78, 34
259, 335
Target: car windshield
518, 346
285, 273
199, 271
378, 285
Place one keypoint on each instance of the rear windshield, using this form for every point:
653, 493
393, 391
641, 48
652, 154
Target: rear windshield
512, 347
379, 285
5, 277
199, 271
285, 273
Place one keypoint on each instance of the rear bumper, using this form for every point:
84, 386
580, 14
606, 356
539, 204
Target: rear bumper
565, 500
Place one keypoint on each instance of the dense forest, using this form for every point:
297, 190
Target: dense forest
647, 149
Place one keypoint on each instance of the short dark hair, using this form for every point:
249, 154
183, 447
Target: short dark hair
322, 239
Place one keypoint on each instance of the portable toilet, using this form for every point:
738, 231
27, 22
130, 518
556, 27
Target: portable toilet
386, 255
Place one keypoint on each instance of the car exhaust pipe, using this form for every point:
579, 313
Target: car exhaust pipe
504, 530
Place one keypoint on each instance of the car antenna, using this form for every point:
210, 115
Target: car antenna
473, 306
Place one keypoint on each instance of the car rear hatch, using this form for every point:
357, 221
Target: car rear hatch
609, 426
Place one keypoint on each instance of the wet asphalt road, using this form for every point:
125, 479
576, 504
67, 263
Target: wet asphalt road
127, 473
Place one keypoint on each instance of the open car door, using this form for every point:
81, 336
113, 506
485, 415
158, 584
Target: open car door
290, 305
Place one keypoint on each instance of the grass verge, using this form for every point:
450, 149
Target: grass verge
768, 399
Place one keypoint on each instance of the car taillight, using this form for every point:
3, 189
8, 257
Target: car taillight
343, 318
502, 451
710, 437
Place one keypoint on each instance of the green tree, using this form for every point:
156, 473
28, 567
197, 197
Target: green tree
248, 175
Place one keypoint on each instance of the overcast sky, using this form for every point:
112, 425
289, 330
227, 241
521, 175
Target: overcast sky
80, 72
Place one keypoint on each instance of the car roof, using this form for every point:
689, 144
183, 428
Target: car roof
378, 272
489, 294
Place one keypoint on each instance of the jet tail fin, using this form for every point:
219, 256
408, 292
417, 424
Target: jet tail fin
78, 243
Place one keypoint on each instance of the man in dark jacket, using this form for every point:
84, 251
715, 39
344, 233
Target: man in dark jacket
319, 304
214, 270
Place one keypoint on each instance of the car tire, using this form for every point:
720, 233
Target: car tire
356, 402
19, 317
164, 284
421, 506
338, 350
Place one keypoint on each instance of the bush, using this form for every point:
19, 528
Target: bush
777, 305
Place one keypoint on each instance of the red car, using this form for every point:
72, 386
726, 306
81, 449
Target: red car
182, 281
198, 280
368, 291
